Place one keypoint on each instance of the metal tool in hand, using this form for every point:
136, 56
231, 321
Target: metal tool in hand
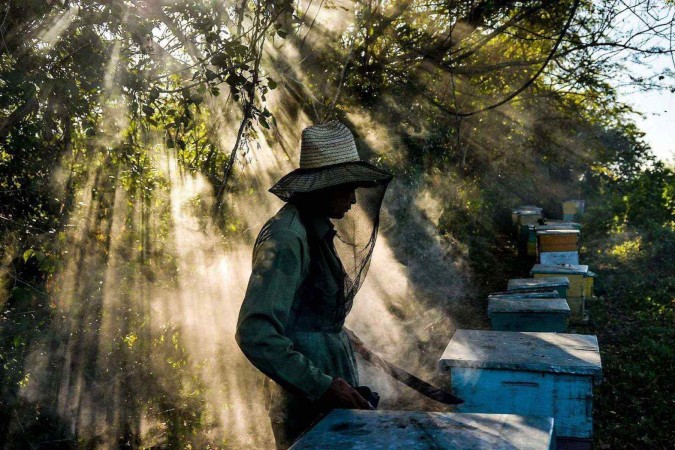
401, 375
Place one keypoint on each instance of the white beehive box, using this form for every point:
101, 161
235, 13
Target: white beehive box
529, 374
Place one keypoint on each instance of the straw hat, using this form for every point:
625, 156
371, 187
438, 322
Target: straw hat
328, 157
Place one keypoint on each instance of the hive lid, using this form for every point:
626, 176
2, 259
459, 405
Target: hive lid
537, 293
518, 284
558, 232
527, 208
535, 352
569, 269
406, 430
528, 305
537, 227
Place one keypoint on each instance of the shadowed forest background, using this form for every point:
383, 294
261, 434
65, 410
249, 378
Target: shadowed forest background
138, 140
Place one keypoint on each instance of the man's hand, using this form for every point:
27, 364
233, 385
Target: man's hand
341, 395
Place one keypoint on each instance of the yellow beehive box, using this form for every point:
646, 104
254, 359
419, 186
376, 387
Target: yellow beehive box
572, 209
576, 274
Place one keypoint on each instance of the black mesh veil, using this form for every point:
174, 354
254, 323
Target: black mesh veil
356, 232
355, 240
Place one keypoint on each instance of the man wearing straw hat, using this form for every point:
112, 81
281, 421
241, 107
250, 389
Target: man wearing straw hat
306, 271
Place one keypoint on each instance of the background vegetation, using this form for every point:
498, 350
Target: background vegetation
476, 106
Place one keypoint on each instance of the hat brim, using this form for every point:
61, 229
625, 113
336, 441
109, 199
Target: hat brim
359, 173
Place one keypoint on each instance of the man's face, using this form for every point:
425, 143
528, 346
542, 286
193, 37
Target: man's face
339, 200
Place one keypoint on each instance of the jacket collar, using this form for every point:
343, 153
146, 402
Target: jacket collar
323, 227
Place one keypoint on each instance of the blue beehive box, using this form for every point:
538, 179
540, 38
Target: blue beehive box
528, 314
344, 429
560, 284
530, 374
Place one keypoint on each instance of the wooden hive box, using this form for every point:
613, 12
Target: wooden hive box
515, 212
548, 226
560, 284
530, 374
528, 314
558, 240
529, 217
344, 429
579, 288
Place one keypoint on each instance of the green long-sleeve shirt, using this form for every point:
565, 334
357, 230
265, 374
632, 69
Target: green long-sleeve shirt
288, 329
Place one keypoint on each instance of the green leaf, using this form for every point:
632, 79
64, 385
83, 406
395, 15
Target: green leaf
271, 83
27, 254
148, 110
220, 60
154, 94
262, 121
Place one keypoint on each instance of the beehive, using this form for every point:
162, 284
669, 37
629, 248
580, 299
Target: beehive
523, 209
529, 217
408, 430
528, 314
557, 258
581, 285
528, 233
558, 283
558, 240
530, 374
572, 209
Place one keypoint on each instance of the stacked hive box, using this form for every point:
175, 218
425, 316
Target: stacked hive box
549, 225
528, 314
580, 284
558, 246
572, 209
522, 218
529, 374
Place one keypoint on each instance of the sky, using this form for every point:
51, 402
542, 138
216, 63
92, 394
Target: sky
657, 121
657, 109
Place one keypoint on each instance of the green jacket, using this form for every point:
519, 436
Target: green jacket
288, 329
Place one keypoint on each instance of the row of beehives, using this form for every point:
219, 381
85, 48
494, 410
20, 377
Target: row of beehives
525, 383
527, 364
555, 245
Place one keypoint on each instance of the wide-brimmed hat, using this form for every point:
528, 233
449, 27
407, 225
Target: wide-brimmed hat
328, 157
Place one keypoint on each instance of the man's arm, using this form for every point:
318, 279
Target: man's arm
277, 274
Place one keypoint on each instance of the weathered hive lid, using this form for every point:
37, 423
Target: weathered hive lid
562, 269
534, 352
536, 293
527, 208
519, 284
528, 305
561, 224
529, 212
557, 232
368, 430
